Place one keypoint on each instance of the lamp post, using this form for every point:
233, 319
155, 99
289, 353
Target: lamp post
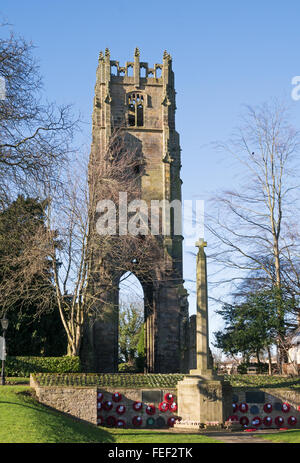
4, 324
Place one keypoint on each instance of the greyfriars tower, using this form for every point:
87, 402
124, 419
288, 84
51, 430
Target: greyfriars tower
140, 99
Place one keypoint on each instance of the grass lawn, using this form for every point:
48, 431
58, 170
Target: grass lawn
286, 437
24, 420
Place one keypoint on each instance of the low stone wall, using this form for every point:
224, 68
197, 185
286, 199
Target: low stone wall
77, 402
87, 403
256, 401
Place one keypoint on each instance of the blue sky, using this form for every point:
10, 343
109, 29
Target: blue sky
225, 54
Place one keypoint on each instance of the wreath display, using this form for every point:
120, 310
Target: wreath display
279, 420
137, 421
169, 398
285, 407
150, 410
268, 408
292, 420
173, 407
121, 409
243, 407
121, 424
267, 421
163, 406
108, 405
244, 421
111, 421
171, 421
117, 397
256, 421
235, 407
137, 406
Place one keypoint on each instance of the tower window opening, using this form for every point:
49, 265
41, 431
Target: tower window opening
135, 108
158, 72
114, 70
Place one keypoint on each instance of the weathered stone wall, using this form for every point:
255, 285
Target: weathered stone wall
77, 402
275, 397
82, 403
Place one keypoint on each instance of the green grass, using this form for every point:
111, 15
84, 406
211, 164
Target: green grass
292, 436
24, 420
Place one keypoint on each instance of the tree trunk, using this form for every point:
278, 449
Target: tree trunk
269, 360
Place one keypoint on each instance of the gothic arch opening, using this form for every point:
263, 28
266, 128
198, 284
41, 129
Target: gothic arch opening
131, 351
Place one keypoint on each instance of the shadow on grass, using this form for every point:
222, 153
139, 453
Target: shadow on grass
45, 424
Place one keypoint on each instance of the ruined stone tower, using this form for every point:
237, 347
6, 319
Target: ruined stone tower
141, 100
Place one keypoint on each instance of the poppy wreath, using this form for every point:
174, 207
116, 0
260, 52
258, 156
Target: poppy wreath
169, 398
137, 421
173, 407
150, 410
108, 405
137, 406
121, 424
117, 397
121, 409
292, 420
150, 421
163, 406
279, 420
244, 421
99, 406
256, 421
235, 407
100, 420
171, 421
243, 407
111, 421
285, 407
100, 396
268, 408
267, 421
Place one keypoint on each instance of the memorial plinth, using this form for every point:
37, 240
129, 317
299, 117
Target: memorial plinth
203, 396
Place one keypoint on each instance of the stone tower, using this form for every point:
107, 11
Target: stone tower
141, 100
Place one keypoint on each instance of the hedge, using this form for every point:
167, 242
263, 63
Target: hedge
115, 380
23, 366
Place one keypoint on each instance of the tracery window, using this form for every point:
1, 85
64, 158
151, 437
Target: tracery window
135, 102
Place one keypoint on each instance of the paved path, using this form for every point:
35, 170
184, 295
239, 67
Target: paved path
238, 437
235, 437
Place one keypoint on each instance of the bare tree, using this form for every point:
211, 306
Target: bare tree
35, 136
255, 225
87, 265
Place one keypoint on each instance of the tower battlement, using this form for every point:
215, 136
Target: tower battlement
135, 71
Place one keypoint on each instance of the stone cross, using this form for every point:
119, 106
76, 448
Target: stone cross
202, 342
